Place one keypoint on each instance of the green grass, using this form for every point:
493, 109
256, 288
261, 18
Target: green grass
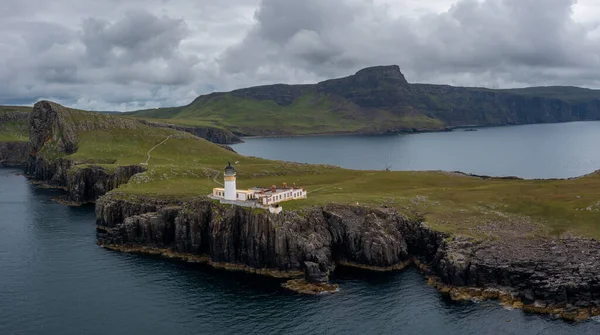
22, 109
184, 167
14, 132
11, 129
312, 113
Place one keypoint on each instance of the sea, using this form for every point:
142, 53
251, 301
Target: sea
555, 150
55, 280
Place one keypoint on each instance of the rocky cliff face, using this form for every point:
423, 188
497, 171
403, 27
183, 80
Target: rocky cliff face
215, 135
467, 106
558, 276
13, 116
13, 154
289, 242
50, 138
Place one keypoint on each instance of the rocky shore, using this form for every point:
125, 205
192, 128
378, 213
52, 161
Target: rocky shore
215, 135
13, 154
84, 182
559, 276
554, 276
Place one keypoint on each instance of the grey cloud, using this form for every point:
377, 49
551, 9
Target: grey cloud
99, 62
112, 55
137, 36
490, 42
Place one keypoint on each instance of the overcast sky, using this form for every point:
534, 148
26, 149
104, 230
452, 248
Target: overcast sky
132, 54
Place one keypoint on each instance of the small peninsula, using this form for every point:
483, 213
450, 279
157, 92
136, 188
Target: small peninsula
532, 244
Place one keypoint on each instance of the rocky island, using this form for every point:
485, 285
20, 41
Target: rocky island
471, 235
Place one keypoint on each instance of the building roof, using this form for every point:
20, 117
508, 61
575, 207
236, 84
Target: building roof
229, 170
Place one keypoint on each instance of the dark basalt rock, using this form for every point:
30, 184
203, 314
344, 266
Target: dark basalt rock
13, 154
314, 273
312, 242
84, 184
544, 274
215, 135
89, 183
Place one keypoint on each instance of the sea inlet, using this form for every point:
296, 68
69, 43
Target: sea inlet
54, 279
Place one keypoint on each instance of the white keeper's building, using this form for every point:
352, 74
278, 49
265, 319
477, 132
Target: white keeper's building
256, 196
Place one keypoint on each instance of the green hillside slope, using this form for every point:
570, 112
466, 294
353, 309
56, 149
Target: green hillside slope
378, 100
182, 166
14, 123
309, 114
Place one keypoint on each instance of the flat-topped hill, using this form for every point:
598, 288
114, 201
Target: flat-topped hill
379, 100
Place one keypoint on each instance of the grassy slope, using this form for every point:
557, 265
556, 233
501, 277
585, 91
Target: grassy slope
310, 114
184, 167
317, 113
13, 131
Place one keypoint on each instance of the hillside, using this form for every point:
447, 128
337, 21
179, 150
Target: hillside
74, 147
14, 123
378, 100
470, 234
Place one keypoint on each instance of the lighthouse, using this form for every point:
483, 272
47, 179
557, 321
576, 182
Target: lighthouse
230, 188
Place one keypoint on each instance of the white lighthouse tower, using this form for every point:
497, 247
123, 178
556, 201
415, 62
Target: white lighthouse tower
230, 188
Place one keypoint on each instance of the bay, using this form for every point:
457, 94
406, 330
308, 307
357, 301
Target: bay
558, 150
55, 280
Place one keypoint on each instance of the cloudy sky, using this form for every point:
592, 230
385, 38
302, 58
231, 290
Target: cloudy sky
132, 54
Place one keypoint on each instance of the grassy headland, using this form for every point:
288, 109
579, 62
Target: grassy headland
185, 167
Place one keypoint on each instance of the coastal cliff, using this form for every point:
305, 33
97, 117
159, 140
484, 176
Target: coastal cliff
13, 154
557, 276
159, 213
51, 138
214, 135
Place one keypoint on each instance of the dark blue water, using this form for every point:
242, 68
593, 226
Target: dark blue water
55, 280
559, 150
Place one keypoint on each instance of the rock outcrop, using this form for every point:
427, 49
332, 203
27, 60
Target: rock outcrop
313, 241
559, 276
215, 135
13, 154
51, 138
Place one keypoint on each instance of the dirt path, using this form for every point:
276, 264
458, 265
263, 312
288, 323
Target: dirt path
154, 147
215, 178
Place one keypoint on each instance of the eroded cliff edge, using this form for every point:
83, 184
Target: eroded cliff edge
52, 137
557, 276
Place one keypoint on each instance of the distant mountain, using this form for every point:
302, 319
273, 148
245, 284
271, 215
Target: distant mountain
378, 100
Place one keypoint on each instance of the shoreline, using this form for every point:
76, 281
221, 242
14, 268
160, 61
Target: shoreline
296, 283
407, 132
